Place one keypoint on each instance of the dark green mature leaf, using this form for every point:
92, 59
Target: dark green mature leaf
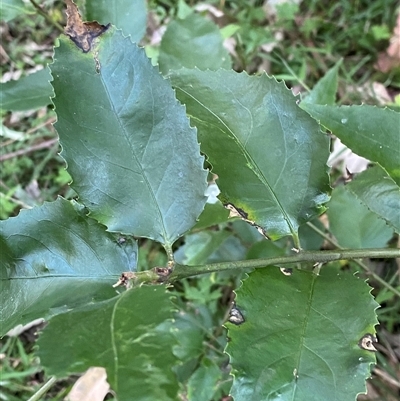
299, 340
128, 15
193, 42
375, 189
125, 335
324, 92
353, 224
134, 159
30, 92
54, 258
268, 154
367, 130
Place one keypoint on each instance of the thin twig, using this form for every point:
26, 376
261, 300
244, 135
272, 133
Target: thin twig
358, 262
386, 377
21, 152
47, 16
50, 121
184, 271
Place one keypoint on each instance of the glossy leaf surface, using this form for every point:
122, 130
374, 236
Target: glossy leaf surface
55, 258
376, 190
369, 131
353, 224
269, 154
193, 42
128, 15
133, 157
299, 339
30, 92
125, 336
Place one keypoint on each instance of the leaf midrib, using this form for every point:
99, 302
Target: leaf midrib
126, 135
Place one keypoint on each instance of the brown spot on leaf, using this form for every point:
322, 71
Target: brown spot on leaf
81, 33
235, 211
367, 342
238, 212
235, 315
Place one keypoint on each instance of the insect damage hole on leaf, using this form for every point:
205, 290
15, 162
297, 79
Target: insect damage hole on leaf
367, 342
237, 212
287, 271
235, 315
82, 33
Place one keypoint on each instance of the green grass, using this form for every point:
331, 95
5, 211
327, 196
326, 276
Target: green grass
305, 41
20, 372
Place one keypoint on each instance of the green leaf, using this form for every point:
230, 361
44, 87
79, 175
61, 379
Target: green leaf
125, 335
133, 157
55, 258
193, 42
376, 190
310, 239
324, 92
204, 381
268, 154
367, 130
209, 247
183, 10
213, 214
128, 15
11, 9
299, 340
27, 93
353, 224
264, 249
188, 329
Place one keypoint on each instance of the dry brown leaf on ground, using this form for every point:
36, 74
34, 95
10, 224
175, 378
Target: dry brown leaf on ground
391, 58
91, 386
